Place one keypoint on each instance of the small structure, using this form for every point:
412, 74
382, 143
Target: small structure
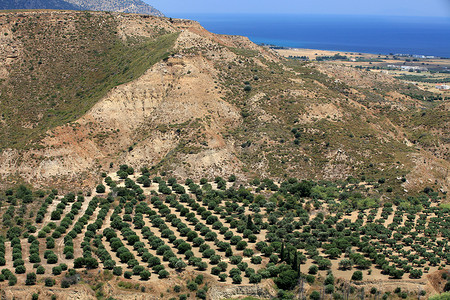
407, 68
413, 68
443, 87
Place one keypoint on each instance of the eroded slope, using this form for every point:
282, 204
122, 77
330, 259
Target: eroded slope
217, 105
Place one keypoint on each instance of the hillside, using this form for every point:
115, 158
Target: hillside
125, 6
37, 4
88, 94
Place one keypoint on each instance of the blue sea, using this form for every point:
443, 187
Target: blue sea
368, 34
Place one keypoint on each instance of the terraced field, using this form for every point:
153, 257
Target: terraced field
306, 236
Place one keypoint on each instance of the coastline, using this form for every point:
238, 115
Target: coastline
344, 33
314, 53
427, 73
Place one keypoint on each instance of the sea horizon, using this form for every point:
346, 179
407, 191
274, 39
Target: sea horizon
348, 33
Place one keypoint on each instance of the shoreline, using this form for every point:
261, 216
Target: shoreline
312, 54
350, 53
427, 73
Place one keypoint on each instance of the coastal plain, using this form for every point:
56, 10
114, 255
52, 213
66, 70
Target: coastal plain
434, 69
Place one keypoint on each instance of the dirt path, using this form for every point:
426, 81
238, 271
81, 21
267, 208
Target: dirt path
8, 256
47, 216
26, 255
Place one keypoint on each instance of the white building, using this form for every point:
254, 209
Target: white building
443, 87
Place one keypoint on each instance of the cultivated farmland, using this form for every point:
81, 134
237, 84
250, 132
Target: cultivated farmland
306, 236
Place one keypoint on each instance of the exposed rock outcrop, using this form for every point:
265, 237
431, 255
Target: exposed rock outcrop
218, 293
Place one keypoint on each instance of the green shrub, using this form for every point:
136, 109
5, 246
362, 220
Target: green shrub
315, 295
313, 270
443, 296
357, 275
20, 269
145, 275
192, 286
40, 270
255, 278
117, 271
447, 286
65, 284
310, 279
100, 189
287, 280
199, 279
12, 280
223, 277
248, 252
329, 289
163, 274
237, 279
256, 260
201, 294
31, 279
216, 270
49, 282
56, 270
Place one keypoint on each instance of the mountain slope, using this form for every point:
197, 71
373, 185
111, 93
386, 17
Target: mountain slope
125, 6
37, 4
65, 90
217, 105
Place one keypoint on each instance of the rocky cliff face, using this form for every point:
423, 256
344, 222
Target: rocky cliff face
218, 293
25, 292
